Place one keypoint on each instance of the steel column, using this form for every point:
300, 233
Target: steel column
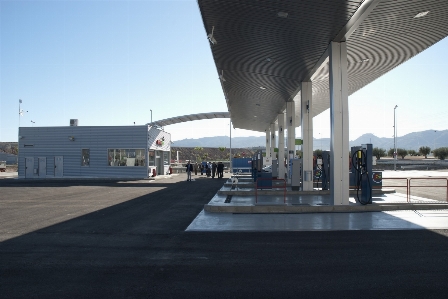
268, 143
307, 135
339, 149
273, 142
291, 125
281, 145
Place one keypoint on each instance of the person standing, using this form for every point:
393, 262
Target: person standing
189, 170
196, 168
220, 170
214, 166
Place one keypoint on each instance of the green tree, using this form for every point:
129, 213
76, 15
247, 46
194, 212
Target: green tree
317, 152
412, 153
379, 152
390, 153
424, 150
402, 152
222, 148
441, 153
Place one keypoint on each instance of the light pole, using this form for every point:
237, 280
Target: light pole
434, 143
151, 115
230, 157
395, 140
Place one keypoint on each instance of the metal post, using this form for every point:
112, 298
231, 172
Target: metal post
395, 141
151, 115
434, 142
307, 134
230, 157
281, 145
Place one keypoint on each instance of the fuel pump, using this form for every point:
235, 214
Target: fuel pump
362, 166
322, 169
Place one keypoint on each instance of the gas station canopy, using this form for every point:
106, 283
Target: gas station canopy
264, 49
190, 117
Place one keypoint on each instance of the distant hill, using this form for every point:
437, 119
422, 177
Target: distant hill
409, 141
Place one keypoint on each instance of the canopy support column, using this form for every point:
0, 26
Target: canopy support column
307, 136
339, 148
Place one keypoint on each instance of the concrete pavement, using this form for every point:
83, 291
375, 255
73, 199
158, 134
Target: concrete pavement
118, 239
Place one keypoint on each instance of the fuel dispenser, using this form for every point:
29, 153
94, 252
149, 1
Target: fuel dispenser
321, 167
274, 168
361, 164
295, 166
257, 173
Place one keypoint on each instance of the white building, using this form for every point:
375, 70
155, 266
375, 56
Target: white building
93, 152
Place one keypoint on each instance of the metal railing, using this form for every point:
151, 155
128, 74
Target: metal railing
283, 186
408, 185
436, 186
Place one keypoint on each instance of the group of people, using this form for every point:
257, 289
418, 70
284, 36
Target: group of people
210, 169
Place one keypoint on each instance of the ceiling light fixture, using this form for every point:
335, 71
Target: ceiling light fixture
222, 76
421, 14
211, 38
282, 14
261, 87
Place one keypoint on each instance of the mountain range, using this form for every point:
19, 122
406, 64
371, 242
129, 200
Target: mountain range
411, 141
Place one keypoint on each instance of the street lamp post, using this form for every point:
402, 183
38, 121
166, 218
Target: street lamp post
434, 143
395, 140
151, 115
230, 157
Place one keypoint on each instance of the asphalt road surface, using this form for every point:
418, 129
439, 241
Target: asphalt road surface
97, 239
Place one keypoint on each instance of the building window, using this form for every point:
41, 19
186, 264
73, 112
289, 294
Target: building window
166, 158
151, 158
85, 157
126, 157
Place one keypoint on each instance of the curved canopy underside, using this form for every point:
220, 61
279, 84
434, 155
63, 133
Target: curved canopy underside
264, 49
191, 117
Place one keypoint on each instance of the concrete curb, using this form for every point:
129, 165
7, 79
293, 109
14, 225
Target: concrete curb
251, 192
281, 209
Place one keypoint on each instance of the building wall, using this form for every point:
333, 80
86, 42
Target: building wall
55, 141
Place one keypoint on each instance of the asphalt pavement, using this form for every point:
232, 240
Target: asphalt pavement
127, 239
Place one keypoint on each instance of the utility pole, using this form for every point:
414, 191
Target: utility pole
395, 141
230, 158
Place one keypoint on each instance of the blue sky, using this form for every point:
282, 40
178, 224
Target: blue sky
111, 62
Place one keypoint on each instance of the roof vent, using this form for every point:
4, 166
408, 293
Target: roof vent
73, 123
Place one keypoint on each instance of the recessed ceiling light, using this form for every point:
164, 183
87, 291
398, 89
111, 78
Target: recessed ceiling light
421, 14
282, 14
363, 60
261, 87
255, 116
268, 59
